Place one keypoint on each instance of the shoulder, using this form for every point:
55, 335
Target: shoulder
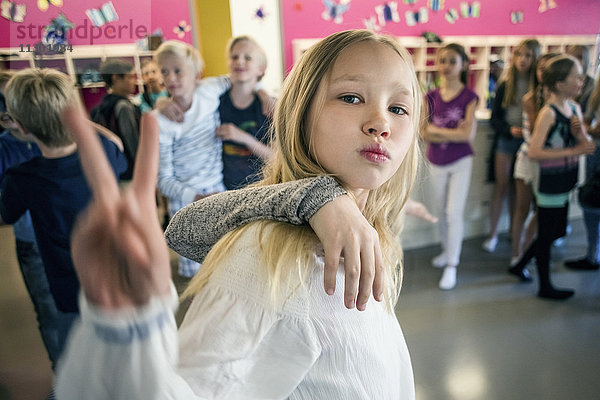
469, 94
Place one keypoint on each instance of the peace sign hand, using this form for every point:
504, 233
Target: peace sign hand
118, 247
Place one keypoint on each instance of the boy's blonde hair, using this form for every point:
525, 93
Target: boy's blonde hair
294, 158
5, 77
182, 50
244, 38
35, 98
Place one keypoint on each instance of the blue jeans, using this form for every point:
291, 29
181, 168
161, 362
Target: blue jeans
591, 218
54, 325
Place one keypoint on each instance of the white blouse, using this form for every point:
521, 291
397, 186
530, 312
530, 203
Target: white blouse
235, 343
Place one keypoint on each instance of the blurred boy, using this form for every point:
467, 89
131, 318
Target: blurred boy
51, 187
116, 112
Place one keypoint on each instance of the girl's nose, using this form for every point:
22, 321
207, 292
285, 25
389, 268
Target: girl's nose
377, 124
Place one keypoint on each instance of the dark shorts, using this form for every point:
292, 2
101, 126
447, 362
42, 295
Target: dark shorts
508, 146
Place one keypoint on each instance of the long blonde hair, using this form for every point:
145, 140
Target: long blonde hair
294, 159
510, 94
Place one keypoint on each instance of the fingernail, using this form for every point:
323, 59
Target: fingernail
362, 307
329, 291
352, 304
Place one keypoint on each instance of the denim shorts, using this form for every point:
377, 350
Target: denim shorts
509, 146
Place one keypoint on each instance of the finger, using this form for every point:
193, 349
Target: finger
332, 264
97, 170
379, 278
367, 273
146, 161
352, 275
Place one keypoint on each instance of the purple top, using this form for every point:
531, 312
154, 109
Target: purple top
447, 115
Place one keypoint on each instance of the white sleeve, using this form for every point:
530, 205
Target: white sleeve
215, 85
125, 354
230, 348
168, 183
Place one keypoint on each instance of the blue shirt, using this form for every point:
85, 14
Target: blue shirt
54, 190
240, 166
14, 152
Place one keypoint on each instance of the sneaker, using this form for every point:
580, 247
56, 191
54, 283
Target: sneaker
559, 242
439, 261
582, 265
490, 244
448, 281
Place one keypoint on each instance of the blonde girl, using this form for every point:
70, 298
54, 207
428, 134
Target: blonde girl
244, 125
524, 171
260, 325
451, 129
506, 120
190, 154
559, 138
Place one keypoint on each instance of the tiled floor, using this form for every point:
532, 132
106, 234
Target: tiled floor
489, 339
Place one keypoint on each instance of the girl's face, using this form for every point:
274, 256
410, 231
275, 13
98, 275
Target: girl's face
151, 76
364, 128
571, 86
178, 75
245, 64
450, 64
522, 59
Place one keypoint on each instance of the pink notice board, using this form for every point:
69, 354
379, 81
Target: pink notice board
319, 18
121, 21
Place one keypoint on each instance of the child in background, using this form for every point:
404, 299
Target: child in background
154, 87
116, 112
559, 138
507, 122
582, 54
450, 131
524, 171
244, 127
191, 165
51, 187
260, 289
591, 206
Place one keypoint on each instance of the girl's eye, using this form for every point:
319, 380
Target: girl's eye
350, 99
163, 71
398, 110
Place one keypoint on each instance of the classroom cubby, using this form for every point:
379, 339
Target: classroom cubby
479, 48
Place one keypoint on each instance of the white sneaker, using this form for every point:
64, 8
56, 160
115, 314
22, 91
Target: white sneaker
439, 261
490, 244
448, 281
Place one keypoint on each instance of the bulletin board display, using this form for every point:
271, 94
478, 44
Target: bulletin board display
81, 23
316, 19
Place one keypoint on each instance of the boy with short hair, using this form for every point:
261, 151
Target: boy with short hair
51, 187
116, 111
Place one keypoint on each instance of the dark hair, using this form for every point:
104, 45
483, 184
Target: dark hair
557, 70
460, 50
114, 67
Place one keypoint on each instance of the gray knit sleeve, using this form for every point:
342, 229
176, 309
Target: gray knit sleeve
194, 229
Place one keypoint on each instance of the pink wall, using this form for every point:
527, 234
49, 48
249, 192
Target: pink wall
137, 18
303, 19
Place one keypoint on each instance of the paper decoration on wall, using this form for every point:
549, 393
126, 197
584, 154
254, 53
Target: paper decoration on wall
431, 37
410, 1
418, 17
181, 29
516, 17
546, 5
260, 13
335, 10
12, 11
451, 15
298, 6
371, 24
103, 15
470, 10
55, 34
435, 5
387, 12
43, 4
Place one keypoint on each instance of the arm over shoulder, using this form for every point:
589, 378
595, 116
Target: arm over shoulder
197, 227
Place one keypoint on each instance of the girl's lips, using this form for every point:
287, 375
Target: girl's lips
375, 153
